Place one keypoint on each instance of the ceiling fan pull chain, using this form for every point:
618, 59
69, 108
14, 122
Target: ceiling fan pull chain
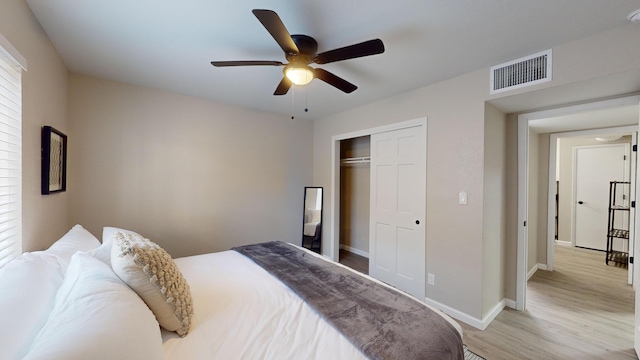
293, 98
306, 99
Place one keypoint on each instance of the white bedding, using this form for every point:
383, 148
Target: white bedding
242, 312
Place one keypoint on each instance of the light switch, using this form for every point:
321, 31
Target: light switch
462, 198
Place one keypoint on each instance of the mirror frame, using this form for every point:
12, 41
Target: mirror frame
313, 243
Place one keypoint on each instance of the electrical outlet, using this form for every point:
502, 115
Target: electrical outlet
431, 279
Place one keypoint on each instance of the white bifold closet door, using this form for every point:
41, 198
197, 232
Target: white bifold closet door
397, 219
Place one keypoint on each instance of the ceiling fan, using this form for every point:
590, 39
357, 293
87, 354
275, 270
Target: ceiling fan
300, 51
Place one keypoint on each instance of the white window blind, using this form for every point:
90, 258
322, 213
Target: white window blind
10, 158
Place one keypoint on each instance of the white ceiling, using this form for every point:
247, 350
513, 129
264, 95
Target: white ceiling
169, 44
595, 119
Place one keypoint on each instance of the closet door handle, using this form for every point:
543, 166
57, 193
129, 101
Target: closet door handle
417, 222
580, 202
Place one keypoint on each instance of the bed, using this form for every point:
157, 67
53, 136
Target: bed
73, 301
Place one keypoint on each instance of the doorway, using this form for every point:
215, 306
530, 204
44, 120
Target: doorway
355, 176
562, 164
560, 120
355, 159
525, 123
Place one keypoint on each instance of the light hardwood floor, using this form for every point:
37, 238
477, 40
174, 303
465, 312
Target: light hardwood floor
581, 310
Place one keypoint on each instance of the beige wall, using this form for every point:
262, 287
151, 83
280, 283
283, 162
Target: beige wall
538, 199
455, 125
543, 199
494, 211
533, 220
193, 175
44, 102
512, 223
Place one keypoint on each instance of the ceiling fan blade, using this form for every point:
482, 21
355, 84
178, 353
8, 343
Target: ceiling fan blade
245, 63
371, 47
283, 87
271, 21
334, 80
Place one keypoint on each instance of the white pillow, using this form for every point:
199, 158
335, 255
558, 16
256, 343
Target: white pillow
28, 286
76, 239
96, 316
149, 270
103, 252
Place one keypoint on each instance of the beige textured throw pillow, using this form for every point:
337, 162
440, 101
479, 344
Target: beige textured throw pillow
149, 271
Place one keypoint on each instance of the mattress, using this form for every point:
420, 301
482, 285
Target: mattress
243, 312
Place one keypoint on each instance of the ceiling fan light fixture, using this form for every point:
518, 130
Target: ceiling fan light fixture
634, 16
606, 138
299, 75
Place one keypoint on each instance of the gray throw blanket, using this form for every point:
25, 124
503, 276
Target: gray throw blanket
379, 321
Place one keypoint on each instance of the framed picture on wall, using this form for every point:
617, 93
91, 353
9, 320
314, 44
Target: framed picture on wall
54, 161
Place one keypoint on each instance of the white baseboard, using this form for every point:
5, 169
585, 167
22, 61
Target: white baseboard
536, 268
458, 315
510, 303
486, 320
564, 243
532, 271
468, 319
354, 250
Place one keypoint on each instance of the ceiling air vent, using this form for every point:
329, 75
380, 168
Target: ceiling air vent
526, 71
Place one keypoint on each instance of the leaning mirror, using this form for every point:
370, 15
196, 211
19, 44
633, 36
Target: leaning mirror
312, 219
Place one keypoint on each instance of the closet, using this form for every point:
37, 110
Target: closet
354, 194
382, 202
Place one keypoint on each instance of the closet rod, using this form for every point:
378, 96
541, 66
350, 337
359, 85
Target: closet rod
355, 160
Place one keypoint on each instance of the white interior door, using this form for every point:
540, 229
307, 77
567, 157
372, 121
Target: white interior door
595, 167
397, 218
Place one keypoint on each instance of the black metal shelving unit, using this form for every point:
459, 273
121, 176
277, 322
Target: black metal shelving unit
615, 211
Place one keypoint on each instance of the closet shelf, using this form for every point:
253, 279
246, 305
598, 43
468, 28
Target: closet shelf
618, 233
619, 207
355, 160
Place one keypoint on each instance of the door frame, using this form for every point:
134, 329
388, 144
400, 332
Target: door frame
334, 211
523, 182
574, 185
